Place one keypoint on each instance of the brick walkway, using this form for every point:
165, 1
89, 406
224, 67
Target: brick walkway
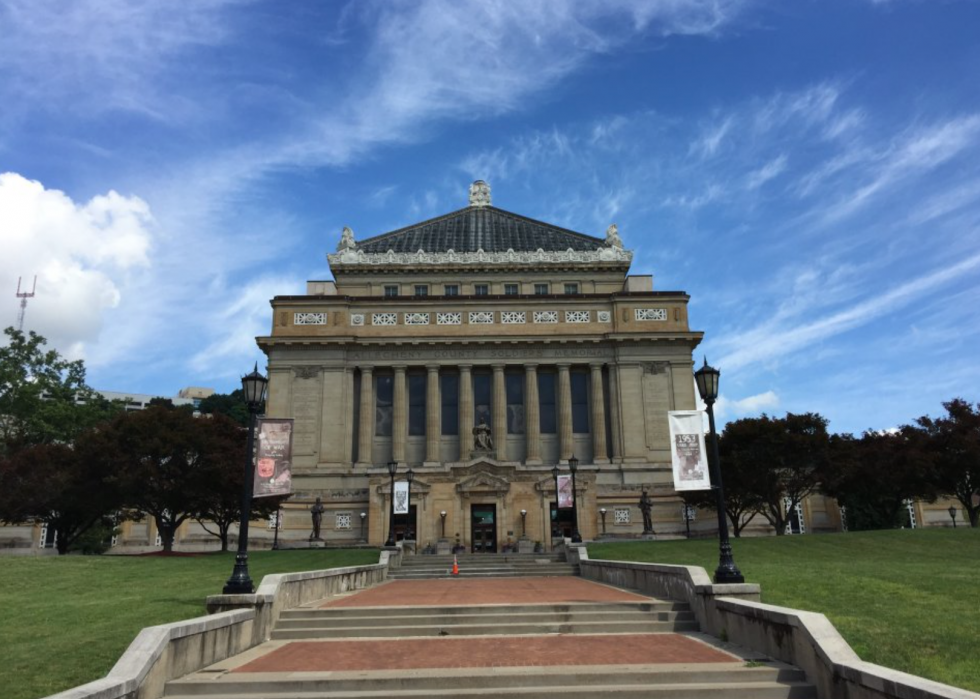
469, 591
482, 652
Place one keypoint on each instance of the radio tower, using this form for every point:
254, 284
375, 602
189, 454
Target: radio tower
23, 296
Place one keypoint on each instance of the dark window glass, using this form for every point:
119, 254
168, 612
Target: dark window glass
481, 289
481, 398
514, 384
580, 401
540, 289
416, 404
511, 289
449, 388
383, 390
546, 401
391, 290
571, 288
421, 290
452, 289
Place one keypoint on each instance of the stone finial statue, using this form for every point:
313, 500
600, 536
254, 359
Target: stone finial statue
481, 437
646, 507
346, 240
612, 237
479, 194
316, 513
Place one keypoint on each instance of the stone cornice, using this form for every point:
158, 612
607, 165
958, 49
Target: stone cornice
347, 259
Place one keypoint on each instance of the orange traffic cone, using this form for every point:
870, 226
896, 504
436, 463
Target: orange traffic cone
455, 566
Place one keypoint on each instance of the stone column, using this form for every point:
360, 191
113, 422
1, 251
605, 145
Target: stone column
564, 413
616, 436
400, 418
499, 427
366, 422
598, 417
348, 415
465, 411
433, 417
532, 412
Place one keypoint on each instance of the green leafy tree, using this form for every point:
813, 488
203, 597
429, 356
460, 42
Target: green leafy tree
43, 397
954, 446
229, 404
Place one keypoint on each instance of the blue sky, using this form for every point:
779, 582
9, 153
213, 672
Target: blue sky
807, 170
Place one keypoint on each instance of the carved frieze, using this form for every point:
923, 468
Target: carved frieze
306, 372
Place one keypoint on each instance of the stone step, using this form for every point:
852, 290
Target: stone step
707, 681
481, 573
484, 557
468, 619
493, 628
483, 609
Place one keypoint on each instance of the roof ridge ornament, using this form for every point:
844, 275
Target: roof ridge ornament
347, 241
479, 194
612, 237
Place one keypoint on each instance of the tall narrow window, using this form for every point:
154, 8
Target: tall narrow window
416, 404
571, 288
580, 401
421, 290
481, 289
449, 390
514, 384
541, 289
384, 405
511, 289
546, 403
481, 398
391, 290
452, 289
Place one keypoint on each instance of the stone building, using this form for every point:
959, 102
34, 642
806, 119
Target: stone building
480, 316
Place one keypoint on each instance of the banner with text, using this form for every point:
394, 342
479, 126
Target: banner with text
273, 458
564, 492
687, 451
401, 498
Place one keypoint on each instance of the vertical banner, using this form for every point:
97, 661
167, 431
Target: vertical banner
687, 451
401, 497
564, 492
273, 458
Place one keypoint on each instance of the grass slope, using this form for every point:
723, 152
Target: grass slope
66, 620
905, 599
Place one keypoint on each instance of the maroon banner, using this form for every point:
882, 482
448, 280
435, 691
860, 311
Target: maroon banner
273, 458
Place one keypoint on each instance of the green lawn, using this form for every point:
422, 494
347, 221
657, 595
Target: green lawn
905, 599
66, 620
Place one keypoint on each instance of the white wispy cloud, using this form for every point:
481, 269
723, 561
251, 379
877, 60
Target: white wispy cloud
770, 170
749, 406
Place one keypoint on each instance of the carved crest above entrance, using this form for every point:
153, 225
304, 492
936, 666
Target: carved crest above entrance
483, 484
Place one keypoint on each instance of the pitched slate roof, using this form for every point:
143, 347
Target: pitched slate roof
476, 228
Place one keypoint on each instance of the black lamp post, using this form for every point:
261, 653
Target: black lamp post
253, 389
275, 535
442, 515
392, 467
688, 516
363, 517
707, 381
573, 467
554, 525
602, 511
952, 515
409, 476
523, 524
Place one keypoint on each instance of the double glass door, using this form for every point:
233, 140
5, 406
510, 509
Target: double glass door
484, 528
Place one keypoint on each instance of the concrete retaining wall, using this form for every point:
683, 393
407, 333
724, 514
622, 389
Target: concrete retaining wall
236, 623
805, 639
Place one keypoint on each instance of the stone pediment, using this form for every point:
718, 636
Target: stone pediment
483, 464
417, 488
483, 483
547, 485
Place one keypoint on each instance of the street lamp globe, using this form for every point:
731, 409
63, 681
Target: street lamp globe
573, 464
253, 388
707, 380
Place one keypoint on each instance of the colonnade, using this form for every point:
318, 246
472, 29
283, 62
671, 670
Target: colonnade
532, 412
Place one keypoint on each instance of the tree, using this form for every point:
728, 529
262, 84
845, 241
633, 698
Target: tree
954, 445
229, 404
71, 488
43, 397
222, 475
788, 455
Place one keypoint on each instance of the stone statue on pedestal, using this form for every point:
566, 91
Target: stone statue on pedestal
482, 440
646, 507
316, 513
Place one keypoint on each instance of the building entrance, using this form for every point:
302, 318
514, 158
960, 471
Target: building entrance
405, 525
562, 522
484, 528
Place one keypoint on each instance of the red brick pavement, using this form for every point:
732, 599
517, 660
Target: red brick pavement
470, 591
512, 651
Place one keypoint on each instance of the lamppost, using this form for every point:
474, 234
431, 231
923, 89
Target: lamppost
573, 467
253, 390
727, 572
952, 515
363, 517
409, 476
523, 524
275, 534
554, 525
688, 516
392, 467
442, 516
602, 511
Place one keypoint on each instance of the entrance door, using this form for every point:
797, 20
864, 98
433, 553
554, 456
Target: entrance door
405, 527
484, 520
562, 522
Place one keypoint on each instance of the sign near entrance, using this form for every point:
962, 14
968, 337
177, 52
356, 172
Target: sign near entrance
273, 458
401, 498
565, 492
687, 452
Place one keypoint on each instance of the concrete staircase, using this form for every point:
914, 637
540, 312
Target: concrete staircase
511, 620
484, 565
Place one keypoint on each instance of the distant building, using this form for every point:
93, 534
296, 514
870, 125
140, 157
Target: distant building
194, 393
